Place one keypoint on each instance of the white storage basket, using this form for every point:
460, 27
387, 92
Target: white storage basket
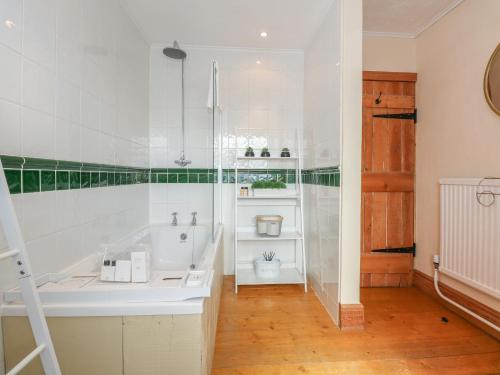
269, 225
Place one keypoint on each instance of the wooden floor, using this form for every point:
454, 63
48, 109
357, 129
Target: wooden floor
281, 330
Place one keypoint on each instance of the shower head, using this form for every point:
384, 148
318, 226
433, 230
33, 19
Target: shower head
175, 52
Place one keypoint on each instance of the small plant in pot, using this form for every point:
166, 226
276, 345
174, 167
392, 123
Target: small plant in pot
268, 266
268, 187
249, 152
285, 153
265, 153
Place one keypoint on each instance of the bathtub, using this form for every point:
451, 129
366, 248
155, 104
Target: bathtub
154, 328
175, 261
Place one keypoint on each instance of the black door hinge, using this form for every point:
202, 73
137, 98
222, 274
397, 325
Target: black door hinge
398, 250
401, 116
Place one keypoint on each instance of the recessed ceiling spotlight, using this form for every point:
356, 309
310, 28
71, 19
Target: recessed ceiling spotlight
263, 34
10, 24
258, 62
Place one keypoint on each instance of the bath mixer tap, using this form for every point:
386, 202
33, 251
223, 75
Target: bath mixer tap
193, 222
174, 219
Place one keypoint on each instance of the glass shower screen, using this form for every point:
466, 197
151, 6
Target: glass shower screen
216, 162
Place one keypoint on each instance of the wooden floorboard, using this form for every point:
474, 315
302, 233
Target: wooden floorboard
281, 330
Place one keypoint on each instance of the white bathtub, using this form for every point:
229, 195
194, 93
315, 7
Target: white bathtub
78, 291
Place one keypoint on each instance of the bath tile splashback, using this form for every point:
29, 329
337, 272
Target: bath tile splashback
74, 86
262, 107
262, 103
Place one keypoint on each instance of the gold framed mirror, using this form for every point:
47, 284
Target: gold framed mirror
492, 81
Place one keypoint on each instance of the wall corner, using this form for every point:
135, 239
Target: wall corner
351, 108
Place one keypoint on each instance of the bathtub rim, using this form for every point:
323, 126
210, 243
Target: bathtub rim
147, 308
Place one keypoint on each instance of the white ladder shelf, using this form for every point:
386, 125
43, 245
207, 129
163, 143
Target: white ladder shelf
18, 253
291, 273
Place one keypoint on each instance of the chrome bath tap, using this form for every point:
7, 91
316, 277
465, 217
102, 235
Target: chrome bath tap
193, 222
174, 219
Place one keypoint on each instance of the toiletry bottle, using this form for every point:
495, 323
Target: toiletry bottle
107, 271
123, 271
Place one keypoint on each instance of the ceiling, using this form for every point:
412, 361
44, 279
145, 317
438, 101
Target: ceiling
290, 24
406, 18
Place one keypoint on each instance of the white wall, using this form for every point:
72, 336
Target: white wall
262, 107
457, 133
322, 149
74, 79
351, 102
389, 54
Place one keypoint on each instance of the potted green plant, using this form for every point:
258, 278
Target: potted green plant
265, 153
285, 153
268, 266
249, 152
268, 188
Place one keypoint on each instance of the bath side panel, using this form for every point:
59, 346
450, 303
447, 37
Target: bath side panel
84, 346
159, 345
211, 312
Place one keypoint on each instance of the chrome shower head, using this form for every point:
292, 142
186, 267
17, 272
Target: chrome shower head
175, 52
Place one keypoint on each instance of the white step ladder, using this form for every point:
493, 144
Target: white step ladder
294, 272
12, 231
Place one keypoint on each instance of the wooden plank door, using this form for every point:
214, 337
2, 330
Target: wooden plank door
388, 171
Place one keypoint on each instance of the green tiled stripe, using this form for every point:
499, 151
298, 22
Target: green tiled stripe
31, 175
28, 175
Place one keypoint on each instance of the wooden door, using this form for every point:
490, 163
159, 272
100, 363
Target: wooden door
388, 171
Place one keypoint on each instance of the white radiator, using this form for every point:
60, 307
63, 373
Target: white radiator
470, 232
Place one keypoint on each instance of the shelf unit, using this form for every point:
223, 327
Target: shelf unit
290, 272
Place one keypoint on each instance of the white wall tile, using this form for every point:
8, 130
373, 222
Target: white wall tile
68, 20
38, 87
107, 150
90, 111
158, 137
38, 214
62, 75
90, 145
39, 42
68, 136
10, 74
159, 213
69, 60
38, 134
11, 29
67, 213
10, 128
108, 119
68, 101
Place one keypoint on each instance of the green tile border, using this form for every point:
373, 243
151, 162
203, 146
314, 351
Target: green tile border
30, 175
31, 181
